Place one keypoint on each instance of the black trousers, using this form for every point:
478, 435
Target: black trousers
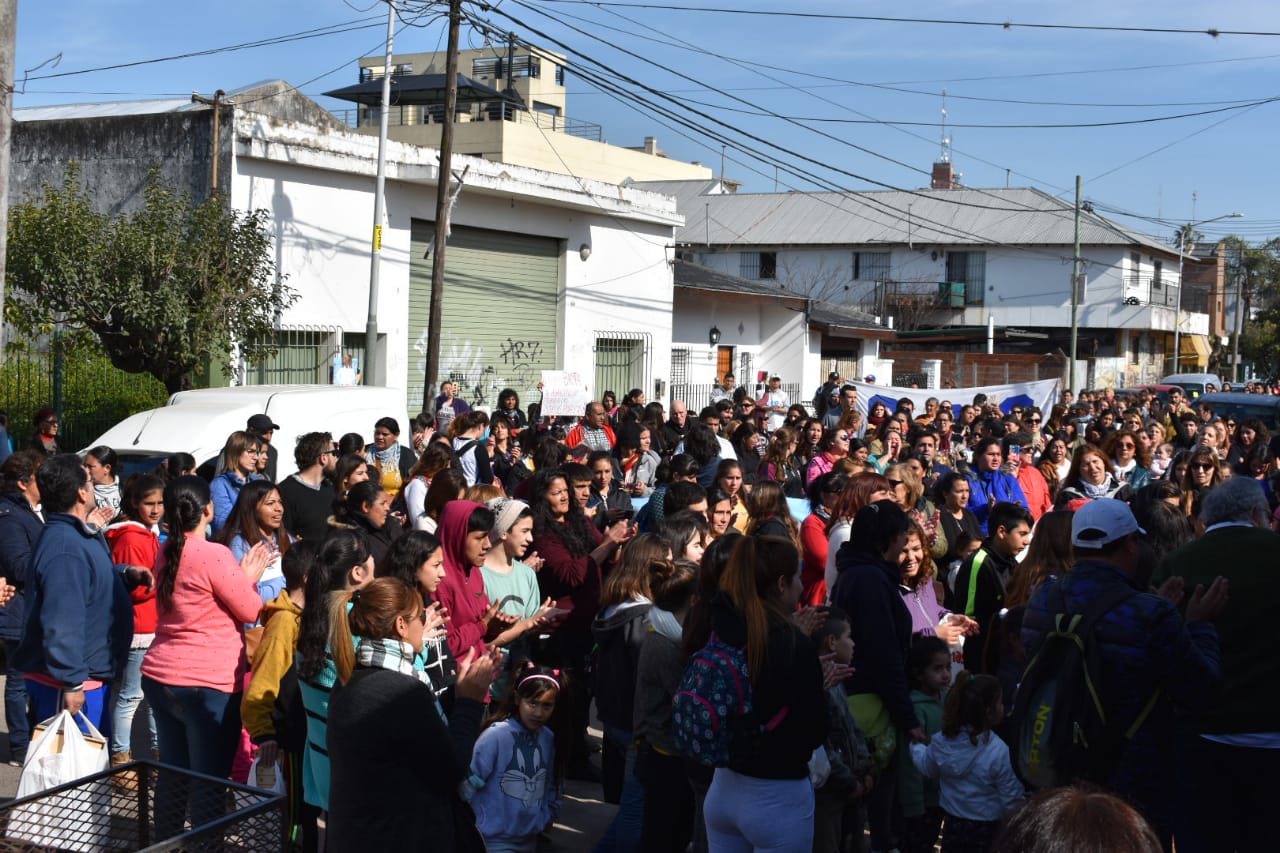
668, 801
1226, 799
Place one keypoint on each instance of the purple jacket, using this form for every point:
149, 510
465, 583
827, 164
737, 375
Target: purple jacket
925, 610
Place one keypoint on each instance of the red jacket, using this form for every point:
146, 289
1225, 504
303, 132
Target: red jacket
578, 433
134, 545
813, 537
1036, 488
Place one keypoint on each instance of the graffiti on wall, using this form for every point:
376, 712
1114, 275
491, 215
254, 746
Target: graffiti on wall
481, 376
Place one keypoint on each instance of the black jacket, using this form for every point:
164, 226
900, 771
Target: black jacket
19, 529
867, 589
617, 661
985, 588
791, 680
306, 510
396, 766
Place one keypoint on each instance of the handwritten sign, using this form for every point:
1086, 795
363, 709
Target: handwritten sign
564, 392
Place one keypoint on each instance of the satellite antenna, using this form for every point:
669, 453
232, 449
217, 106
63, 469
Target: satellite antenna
946, 140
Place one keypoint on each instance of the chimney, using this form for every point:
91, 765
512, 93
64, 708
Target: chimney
944, 176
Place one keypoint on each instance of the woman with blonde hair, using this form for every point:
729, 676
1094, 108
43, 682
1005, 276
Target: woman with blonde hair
397, 762
908, 493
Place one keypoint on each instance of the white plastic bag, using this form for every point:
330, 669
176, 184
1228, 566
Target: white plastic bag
819, 767
78, 819
266, 776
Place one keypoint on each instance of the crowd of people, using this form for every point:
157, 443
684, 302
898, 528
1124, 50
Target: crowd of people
414, 632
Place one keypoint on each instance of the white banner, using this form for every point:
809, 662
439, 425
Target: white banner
1043, 393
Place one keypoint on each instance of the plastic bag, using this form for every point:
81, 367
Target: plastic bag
819, 767
266, 776
75, 819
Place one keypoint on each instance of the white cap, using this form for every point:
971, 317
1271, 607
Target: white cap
1100, 522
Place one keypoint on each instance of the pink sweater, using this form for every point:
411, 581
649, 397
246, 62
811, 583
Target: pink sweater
199, 641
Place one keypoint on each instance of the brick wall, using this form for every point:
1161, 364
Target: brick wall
967, 369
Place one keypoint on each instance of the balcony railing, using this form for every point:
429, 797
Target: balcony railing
404, 116
1140, 290
896, 297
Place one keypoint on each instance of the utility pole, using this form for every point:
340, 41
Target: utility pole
8, 36
368, 369
429, 380
1075, 296
1241, 275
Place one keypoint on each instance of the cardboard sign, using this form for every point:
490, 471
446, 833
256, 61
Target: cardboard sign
564, 392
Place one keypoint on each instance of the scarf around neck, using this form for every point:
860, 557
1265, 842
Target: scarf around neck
389, 653
384, 459
1101, 491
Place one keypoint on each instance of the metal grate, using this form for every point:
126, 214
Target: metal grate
99, 813
622, 361
304, 356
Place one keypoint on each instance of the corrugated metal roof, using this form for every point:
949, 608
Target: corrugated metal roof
697, 277
1015, 217
103, 109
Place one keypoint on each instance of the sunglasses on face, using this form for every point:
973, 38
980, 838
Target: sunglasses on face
1204, 466
1125, 445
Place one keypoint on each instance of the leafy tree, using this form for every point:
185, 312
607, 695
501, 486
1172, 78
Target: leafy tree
165, 289
1259, 269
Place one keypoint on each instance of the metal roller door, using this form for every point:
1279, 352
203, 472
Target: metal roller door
501, 304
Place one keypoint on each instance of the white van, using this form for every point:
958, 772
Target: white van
1194, 384
198, 422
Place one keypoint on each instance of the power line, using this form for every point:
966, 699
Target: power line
1003, 25
317, 32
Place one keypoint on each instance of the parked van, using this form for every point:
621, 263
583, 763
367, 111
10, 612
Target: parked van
1194, 384
1238, 405
198, 422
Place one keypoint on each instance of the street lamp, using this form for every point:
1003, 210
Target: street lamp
1177, 308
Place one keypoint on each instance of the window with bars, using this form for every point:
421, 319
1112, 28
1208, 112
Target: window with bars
495, 66
679, 367
871, 266
970, 269
758, 265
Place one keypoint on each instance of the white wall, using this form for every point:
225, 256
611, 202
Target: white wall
1024, 287
775, 332
318, 191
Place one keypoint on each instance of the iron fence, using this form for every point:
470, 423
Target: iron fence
697, 395
144, 806
87, 392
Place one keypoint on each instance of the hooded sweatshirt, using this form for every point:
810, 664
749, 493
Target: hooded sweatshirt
132, 544
462, 590
283, 620
977, 780
619, 634
512, 788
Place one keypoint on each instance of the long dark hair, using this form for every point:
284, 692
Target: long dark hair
339, 552
531, 681
406, 555
243, 521
575, 531
137, 487
697, 622
185, 500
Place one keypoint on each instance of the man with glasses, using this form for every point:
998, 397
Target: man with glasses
308, 495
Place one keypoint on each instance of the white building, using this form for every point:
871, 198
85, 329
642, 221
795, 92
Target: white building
543, 271
959, 257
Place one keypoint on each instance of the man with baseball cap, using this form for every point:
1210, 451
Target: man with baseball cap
264, 428
1153, 661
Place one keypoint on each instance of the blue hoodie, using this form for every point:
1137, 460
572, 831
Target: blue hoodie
988, 488
977, 780
512, 787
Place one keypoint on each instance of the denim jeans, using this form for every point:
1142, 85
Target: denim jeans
198, 729
48, 701
623, 834
128, 698
17, 705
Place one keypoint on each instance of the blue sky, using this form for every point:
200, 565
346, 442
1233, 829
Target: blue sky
1226, 159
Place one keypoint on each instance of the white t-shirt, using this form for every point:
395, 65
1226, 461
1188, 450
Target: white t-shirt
775, 398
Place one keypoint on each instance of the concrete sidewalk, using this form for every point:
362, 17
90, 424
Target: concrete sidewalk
583, 816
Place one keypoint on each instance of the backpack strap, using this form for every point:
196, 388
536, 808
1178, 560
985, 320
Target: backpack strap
979, 558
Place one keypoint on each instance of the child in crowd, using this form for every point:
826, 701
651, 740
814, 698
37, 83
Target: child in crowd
978, 785
929, 668
838, 811
516, 777
981, 582
1160, 460
668, 798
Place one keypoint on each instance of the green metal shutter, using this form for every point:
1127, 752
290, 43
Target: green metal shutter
501, 304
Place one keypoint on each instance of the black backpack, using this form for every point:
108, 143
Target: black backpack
1060, 732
